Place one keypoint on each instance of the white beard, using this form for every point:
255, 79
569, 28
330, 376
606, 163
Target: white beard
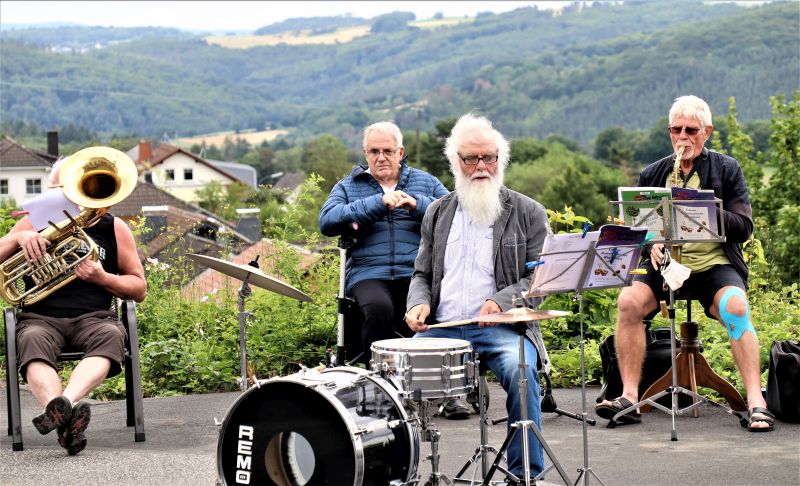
481, 199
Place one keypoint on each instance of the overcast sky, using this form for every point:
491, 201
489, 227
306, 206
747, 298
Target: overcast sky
233, 15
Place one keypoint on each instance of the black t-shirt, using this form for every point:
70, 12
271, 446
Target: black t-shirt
80, 297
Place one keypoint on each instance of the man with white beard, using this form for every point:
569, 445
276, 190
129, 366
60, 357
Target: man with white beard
472, 262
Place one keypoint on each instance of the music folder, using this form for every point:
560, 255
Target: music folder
594, 260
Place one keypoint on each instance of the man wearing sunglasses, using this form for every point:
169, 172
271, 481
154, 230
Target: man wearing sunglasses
718, 276
381, 205
472, 262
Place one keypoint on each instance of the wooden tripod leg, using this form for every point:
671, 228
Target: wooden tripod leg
708, 378
666, 380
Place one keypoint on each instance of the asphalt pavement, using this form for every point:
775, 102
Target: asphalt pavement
182, 437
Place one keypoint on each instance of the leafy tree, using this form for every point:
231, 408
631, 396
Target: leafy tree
524, 150
392, 22
326, 156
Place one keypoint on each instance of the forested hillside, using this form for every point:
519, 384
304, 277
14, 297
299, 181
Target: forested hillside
532, 72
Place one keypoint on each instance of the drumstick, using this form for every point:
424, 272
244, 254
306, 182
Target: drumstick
452, 323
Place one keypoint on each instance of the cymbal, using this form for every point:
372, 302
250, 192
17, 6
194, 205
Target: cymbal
252, 275
522, 314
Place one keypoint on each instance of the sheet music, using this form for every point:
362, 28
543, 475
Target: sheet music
50, 206
613, 252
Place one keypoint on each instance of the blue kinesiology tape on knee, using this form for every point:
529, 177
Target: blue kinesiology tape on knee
735, 325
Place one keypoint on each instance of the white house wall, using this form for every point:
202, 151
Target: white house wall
16, 177
181, 188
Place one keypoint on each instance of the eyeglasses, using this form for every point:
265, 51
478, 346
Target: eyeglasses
689, 130
375, 153
473, 159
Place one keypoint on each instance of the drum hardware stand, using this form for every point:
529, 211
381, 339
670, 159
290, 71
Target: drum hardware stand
669, 242
431, 434
483, 450
524, 425
549, 404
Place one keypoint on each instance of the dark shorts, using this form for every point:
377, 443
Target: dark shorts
701, 286
43, 338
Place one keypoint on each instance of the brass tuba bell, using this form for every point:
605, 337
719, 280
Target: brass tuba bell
95, 179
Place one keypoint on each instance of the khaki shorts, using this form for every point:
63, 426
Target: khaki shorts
43, 338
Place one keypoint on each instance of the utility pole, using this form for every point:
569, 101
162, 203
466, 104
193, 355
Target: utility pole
417, 141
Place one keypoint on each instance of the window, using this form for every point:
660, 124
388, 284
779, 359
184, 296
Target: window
170, 174
33, 186
188, 175
3, 187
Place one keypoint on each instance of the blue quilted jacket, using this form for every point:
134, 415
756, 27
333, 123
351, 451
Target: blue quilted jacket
386, 241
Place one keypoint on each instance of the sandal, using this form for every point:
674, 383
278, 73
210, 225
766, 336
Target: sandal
747, 420
619, 404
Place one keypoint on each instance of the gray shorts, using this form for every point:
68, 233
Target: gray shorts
43, 338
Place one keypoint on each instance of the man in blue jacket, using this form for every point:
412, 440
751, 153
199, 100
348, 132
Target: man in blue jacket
381, 204
719, 274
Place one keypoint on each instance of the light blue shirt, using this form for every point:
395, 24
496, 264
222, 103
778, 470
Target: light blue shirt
468, 269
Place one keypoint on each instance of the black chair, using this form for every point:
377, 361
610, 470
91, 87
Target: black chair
133, 377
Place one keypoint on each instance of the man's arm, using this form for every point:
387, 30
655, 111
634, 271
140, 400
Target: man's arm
418, 301
23, 236
337, 214
538, 227
130, 283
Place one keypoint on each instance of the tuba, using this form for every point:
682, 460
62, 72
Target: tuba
95, 179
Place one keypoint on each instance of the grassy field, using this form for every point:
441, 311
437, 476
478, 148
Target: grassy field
342, 35
218, 139
345, 34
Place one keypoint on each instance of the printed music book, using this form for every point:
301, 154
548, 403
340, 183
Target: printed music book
641, 206
600, 259
696, 220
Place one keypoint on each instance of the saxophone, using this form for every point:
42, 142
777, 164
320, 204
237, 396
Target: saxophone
94, 178
675, 179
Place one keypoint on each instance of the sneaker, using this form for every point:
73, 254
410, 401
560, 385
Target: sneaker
455, 409
56, 414
71, 436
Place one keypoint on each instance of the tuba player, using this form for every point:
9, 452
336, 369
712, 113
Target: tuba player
78, 316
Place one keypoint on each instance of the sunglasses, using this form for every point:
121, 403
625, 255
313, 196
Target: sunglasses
689, 130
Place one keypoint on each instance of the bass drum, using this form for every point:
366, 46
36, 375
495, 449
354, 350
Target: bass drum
338, 427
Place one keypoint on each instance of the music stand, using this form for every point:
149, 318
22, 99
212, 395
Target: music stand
587, 261
673, 234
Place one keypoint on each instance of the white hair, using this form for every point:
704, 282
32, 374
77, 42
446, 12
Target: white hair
55, 170
691, 107
472, 128
387, 127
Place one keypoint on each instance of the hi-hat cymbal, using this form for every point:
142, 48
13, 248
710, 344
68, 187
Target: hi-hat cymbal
251, 275
522, 314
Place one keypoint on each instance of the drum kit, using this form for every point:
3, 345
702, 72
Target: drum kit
348, 425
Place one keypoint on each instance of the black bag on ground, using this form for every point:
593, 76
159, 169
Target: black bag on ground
656, 363
783, 381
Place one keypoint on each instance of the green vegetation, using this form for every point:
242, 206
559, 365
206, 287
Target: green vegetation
189, 342
534, 74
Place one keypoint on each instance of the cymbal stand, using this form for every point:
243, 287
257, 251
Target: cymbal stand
483, 450
244, 292
585, 471
524, 425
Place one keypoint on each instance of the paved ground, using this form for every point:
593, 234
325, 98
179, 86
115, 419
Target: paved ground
181, 447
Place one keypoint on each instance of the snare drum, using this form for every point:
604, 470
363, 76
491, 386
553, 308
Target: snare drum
426, 368
340, 426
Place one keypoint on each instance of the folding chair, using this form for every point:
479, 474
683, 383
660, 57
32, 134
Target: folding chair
133, 377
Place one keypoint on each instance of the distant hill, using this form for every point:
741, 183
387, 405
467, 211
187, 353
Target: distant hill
533, 72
